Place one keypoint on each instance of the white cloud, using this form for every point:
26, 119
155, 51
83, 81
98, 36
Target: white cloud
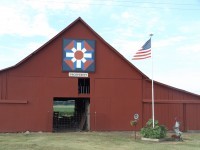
190, 28
126, 18
126, 47
189, 79
40, 26
169, 41
44, 5
190, 49
126, 15
30, 47
59, 5
31, 18
10, 18
79, 6
15, 21
16, 54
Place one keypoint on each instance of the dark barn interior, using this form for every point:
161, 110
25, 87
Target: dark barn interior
70, 114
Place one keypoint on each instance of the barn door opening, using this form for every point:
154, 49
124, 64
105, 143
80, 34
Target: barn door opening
71, 114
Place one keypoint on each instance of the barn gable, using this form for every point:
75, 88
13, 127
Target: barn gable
49, 54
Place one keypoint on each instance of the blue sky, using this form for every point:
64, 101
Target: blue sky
125, 24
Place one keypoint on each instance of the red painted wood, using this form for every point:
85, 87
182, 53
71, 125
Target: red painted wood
192, 116
172, 101
13, 101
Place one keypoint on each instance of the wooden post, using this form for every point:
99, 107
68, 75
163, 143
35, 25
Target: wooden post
135, 131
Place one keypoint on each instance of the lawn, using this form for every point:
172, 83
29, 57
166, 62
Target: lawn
64, 109
92, 141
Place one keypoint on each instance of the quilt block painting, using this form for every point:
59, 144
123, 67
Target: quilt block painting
78, 55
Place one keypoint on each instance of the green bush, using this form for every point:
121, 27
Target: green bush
158, 132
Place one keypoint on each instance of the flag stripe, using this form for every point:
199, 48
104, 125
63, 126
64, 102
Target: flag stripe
141, 52
149, 54
139, 58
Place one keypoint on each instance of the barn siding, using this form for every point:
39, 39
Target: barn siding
171, 103
165, 114
164, 92
192, 115
1, 87
122, 102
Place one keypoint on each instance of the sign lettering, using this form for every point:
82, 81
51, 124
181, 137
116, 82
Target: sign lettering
78, 74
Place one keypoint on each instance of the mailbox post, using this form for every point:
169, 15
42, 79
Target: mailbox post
134, 122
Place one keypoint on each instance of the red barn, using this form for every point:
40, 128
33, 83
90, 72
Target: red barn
79, 71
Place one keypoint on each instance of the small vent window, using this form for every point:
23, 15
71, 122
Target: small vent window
83, 85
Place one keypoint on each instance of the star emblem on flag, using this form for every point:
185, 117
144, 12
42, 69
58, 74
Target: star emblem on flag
78, 55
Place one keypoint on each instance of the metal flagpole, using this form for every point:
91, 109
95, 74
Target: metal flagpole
153, 118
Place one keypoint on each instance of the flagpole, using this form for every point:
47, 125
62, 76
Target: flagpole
143, 53
152, 84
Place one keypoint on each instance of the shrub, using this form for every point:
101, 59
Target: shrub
159, 131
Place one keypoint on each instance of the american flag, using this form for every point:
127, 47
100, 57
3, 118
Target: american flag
144, 52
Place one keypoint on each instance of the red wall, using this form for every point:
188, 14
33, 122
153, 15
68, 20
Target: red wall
192, 115
165, 114
115, 108
171, 103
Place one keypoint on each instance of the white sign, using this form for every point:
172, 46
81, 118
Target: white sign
136, 116
78, 74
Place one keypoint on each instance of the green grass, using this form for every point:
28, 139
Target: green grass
91, 141
64, 109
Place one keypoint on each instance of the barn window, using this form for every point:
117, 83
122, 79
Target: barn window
84, 85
